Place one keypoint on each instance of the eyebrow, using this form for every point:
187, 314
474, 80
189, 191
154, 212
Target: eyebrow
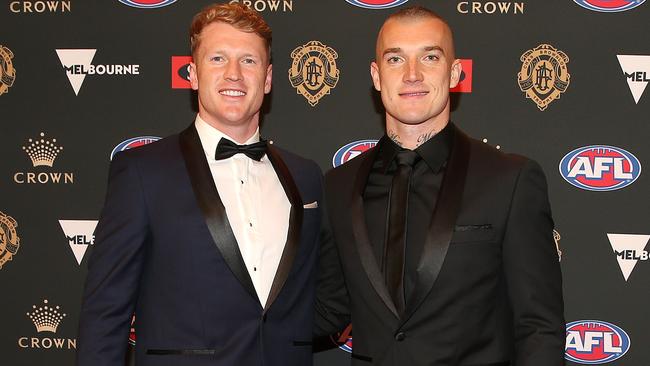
426, 49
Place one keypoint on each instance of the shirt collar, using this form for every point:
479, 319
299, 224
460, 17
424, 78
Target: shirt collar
434, 151
211, 136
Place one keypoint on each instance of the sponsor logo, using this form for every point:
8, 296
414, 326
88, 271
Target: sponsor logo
629, 249
636, 69
9, 240
147, 4
7, 71
600, 168
556, 238
594, 342
80, 235
77, 64
351, 151
343, 340
46, 319
267, 5
544, 75
465, 83
609, 6
490, 7
43, 152
313, 72
133, 143
376, 4
181, 72
47, 6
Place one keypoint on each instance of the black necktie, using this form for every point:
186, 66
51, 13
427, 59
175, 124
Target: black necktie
396, 230
227, 148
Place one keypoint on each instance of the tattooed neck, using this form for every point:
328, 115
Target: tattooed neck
395, 137
425, 137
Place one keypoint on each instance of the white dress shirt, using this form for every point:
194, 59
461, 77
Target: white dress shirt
256, 205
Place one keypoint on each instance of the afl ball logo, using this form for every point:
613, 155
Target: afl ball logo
594, 342
147, 4
352, 150
609, 6
376, 4
133, 142
600, 168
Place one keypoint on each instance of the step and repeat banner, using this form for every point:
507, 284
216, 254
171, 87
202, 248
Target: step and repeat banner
560, 81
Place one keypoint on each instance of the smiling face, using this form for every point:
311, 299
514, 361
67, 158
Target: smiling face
231, 72
414, 69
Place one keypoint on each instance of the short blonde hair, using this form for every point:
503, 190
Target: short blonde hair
235, 14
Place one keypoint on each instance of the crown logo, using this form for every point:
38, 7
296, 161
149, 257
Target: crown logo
46, 318
42, 152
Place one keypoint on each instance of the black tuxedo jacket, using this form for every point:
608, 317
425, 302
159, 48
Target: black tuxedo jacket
488, 288
164, 249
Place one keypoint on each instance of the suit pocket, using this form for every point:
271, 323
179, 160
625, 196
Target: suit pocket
183, 352
473, 233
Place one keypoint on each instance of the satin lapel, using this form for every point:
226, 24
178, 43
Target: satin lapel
295, 224
213, 209
442, 223
360, 230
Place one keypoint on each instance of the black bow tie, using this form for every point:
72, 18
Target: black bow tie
227, 148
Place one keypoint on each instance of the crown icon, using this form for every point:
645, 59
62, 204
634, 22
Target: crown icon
42, 152
46, 318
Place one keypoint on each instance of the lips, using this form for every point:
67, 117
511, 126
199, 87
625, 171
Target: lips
413, 93
232, 92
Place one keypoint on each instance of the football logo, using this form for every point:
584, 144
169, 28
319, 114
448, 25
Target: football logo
593, 342
609, 6
600, 168
133, 142
313, 71
147, 4
376, 4
351, 151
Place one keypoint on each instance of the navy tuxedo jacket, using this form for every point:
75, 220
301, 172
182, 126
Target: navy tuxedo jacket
489, 287
164, 249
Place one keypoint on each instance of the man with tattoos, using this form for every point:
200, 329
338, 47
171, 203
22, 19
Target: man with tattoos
442, 249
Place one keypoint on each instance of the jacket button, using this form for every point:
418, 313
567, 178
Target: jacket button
264, 318
400, 336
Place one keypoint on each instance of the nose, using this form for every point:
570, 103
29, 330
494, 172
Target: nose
233, 71
412, 74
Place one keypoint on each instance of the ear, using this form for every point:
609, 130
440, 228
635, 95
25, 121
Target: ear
268, 79
374, 73
194, 79
456, 70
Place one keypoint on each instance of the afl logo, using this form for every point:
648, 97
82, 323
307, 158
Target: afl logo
609, 6
376, 4
352, 150
133, 142
147, 4
600, 168
593, 342
343, 340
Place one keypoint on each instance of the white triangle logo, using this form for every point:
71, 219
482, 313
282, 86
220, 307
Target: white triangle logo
79, 234
629, 248
636, 69
69, 59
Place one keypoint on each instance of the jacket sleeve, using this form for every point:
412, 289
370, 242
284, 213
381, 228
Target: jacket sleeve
533, 274
114, 269
332, 298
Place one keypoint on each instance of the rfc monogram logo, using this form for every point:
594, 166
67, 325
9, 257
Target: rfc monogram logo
43, 152
544, 75
313, 71
9, 240
80, 235
556, 238
7, 71
46, 319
